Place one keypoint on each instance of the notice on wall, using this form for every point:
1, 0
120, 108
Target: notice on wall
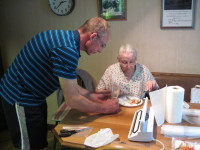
177, 13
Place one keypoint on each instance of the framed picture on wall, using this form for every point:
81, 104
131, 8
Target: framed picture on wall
177, 14
112, 9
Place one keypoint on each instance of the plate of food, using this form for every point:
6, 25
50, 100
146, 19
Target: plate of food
130, 101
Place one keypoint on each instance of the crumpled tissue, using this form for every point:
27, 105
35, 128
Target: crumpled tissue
101, 138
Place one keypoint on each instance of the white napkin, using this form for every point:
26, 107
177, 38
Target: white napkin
180, 131
102, 137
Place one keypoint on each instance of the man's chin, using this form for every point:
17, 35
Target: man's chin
91, 53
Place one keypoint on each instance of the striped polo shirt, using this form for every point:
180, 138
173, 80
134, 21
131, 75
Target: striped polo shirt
34, 73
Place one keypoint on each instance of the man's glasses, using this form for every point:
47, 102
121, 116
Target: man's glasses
103, 45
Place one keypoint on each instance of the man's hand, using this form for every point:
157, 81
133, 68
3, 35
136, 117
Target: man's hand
110, 106
150, 86
99, 97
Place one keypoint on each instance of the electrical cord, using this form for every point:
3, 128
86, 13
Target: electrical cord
163, 146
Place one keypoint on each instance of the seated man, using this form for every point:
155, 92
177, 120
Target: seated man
133, 78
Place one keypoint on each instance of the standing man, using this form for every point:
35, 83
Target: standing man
47, 61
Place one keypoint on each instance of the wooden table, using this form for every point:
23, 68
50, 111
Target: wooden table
119, 123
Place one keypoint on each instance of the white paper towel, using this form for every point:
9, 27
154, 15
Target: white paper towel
158, 104
174, 104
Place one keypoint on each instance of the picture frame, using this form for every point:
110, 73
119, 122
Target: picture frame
112, 9
178, 13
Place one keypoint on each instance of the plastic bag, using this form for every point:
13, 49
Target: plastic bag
180, 131
192, 116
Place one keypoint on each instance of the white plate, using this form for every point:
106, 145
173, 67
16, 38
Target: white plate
126, 102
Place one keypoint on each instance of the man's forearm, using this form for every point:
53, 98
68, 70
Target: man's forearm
83, 92
83, 104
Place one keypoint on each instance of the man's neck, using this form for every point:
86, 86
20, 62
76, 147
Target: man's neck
84, 37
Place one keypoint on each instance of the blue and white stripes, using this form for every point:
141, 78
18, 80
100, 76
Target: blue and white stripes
34, 73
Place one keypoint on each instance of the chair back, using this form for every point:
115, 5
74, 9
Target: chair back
85, 80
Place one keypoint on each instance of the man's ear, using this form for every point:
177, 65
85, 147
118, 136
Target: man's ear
93, 35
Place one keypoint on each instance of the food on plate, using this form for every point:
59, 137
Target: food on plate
130, 101
133, 101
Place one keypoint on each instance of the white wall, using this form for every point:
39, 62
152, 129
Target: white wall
162, 50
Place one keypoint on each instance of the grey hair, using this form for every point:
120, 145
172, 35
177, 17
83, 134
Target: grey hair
127, 48
96, 24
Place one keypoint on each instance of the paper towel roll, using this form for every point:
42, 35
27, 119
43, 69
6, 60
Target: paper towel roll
174, 104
